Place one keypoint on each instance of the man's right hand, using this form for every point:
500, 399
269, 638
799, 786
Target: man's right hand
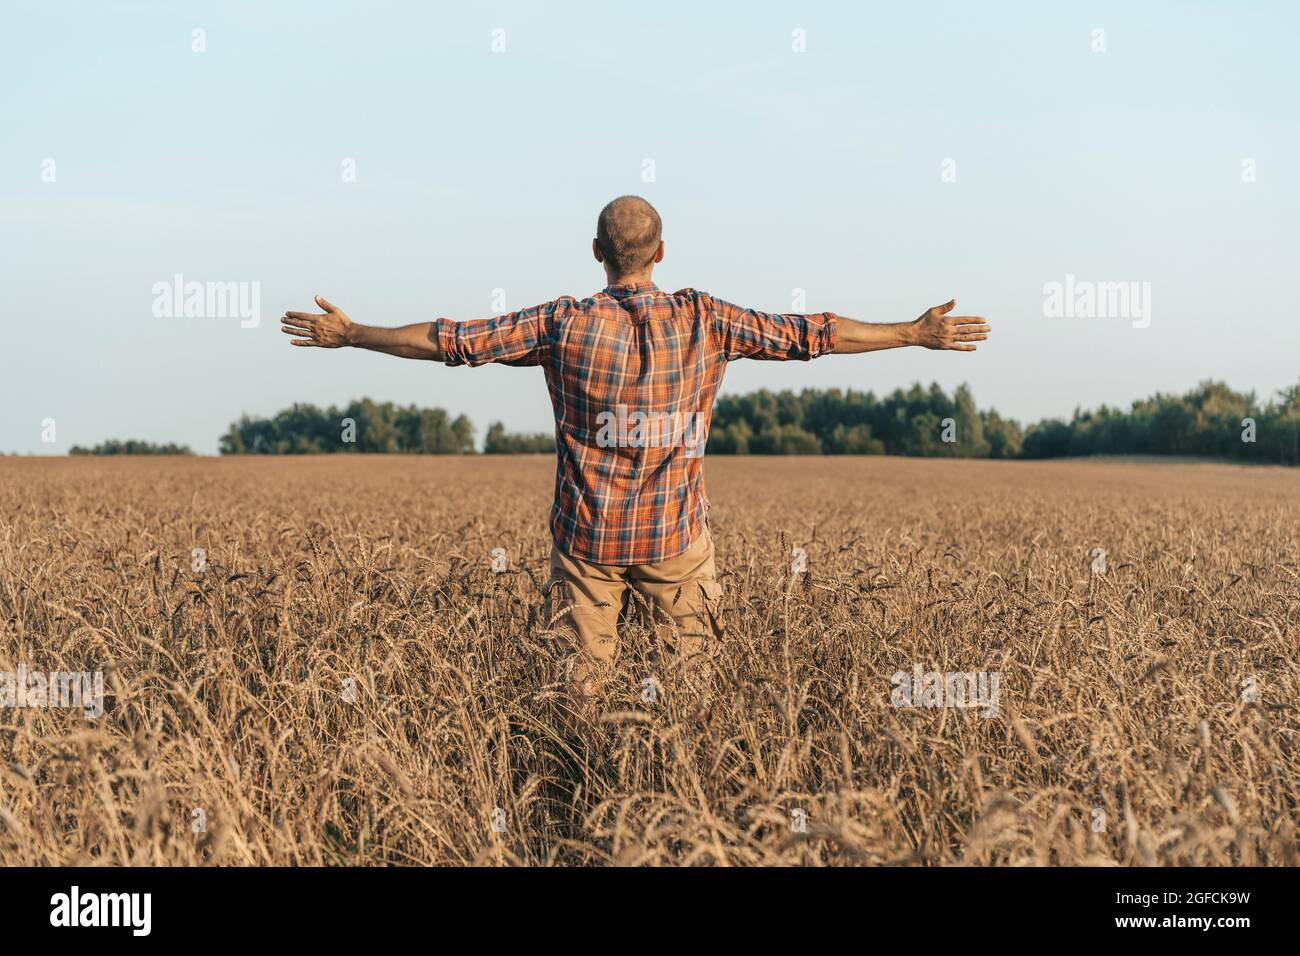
936, 329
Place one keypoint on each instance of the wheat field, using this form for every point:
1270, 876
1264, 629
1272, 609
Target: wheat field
338, 676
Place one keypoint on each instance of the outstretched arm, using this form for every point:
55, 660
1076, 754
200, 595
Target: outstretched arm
332, 329
748, 333
517, 338
935, 329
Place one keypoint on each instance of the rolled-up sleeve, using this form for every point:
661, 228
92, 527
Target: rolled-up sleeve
770, 336
517, 338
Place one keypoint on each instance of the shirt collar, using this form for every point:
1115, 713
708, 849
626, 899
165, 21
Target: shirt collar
622, 290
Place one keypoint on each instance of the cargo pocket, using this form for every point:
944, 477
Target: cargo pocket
712, 592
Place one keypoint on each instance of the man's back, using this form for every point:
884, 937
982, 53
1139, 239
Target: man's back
632, 372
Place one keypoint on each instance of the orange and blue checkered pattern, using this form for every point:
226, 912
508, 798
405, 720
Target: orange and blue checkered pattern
636, 349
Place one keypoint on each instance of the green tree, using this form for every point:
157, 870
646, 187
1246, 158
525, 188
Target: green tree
501, 442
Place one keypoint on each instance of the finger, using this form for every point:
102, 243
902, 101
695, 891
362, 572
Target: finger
957, 347
974, 328
320, 300
971, 337
946, 307
290, 330
295, 324
302, 342
308, 317
967, 320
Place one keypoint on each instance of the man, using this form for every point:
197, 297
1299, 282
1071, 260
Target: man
632, 373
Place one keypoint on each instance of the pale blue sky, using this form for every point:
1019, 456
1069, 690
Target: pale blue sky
775, 170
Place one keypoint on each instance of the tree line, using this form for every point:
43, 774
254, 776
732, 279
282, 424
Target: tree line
366, 426
1211, 420
360, 426
132, 446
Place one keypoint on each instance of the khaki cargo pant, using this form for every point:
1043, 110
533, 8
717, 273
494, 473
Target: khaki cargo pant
682, 592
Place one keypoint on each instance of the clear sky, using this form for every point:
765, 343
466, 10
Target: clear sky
775, 170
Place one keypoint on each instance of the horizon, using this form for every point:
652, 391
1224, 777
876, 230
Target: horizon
479, 441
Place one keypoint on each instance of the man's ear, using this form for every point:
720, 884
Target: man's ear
659, 253
595, 250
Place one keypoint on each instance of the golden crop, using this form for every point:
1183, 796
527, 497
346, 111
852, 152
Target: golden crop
346, 680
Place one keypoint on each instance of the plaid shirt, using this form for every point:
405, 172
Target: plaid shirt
632, 373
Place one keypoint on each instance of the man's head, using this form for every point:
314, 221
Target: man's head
629, 239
